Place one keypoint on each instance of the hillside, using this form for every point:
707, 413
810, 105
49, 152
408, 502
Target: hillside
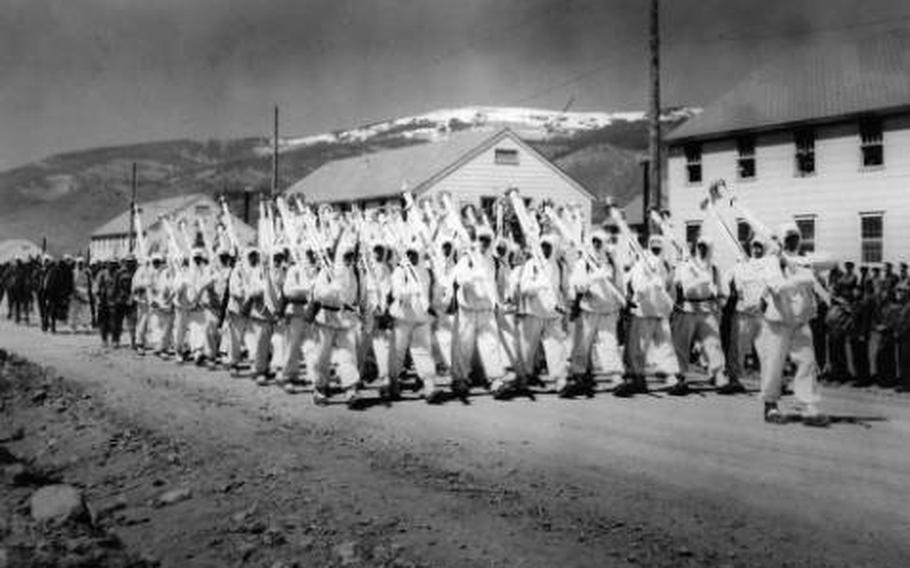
64, 197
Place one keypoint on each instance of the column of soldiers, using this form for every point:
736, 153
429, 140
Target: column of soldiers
445, 301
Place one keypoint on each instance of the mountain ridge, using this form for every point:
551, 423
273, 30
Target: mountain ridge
65, 196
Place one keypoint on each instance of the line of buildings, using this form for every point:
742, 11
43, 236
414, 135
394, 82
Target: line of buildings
820, 137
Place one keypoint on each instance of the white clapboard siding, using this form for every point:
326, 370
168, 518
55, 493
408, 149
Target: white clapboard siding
836, 195
483, 177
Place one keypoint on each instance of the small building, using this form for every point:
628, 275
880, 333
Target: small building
112, 240
820, 137
476, 167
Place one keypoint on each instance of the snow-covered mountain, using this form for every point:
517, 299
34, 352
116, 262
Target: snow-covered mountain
529, 123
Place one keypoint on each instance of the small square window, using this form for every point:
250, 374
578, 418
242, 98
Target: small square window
693, 163
506, 157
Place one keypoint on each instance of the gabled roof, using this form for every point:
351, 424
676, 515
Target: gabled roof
821, 81
383, 174
150, 212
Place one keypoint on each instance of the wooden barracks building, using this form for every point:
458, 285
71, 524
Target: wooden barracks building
820, 137
474, 166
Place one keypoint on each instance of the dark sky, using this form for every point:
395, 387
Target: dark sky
81, 73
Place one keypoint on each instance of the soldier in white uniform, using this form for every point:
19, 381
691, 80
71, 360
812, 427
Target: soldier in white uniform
411, 329
790, 306
541, 305
475, 321
236, 315
80, 308
650, 341
337, 322
161, 297
746, 289
377, 335
139, 288
596, 284
298, 292
698, 286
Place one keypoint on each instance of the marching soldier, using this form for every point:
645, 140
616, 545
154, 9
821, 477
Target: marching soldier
298, 291
376, 332
541, 304
214, 301
161, 300
336, 291
141, 293
790, 305
184, 305
746, 290
698, 287
411, 331
596, 283
236, 315
261, 310
475, 322
105, 291
123, 303
650, 341
80, 306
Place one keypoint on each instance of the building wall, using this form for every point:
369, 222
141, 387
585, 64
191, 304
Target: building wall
836, 196
483, 177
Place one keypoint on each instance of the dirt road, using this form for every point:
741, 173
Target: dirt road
652, 481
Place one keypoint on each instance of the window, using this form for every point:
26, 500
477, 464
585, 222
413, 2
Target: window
505, 157
745, 163
743, 234
693, 163
202, 210
871, 142
806, 226
693, 230
805, 152
871, 237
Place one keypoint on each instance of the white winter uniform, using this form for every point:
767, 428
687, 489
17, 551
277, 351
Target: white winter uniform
540, 300
595, 347
412, 330
746, 278
337, 323
791, 304
650, 343
698, 316
475, 322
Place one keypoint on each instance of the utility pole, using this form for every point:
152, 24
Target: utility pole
654, 177
132, 208
275, 157
646, 201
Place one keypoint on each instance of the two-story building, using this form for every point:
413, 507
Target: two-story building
820, 137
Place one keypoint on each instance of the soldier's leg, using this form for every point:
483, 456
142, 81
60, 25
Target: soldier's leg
606, 357
442, 341
872, 354
381, 342
262, 348
142, 326
662, 350
104, 323
708, 332
530, 329
802, 353
509, 326
489, 346
683, 331
401, 341
773, 345
464, 346
421, 346
345, 343
167, 332
181, 329
293, 349
553, 341
584, 329
279, 343
235, 339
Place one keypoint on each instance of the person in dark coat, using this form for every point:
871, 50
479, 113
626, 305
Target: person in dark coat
57, 289
124, 304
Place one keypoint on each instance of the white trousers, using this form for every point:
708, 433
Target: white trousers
595, 348
301, 344
338, 346
774, 343
704, 327
650, 347
477, 333
534, 333
416, 337
743, 333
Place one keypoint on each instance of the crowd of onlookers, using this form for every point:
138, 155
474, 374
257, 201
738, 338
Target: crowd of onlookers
863, 336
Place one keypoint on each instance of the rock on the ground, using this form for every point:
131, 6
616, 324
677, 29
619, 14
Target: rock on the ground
58, 503
347, 553
13, 434
173, 496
